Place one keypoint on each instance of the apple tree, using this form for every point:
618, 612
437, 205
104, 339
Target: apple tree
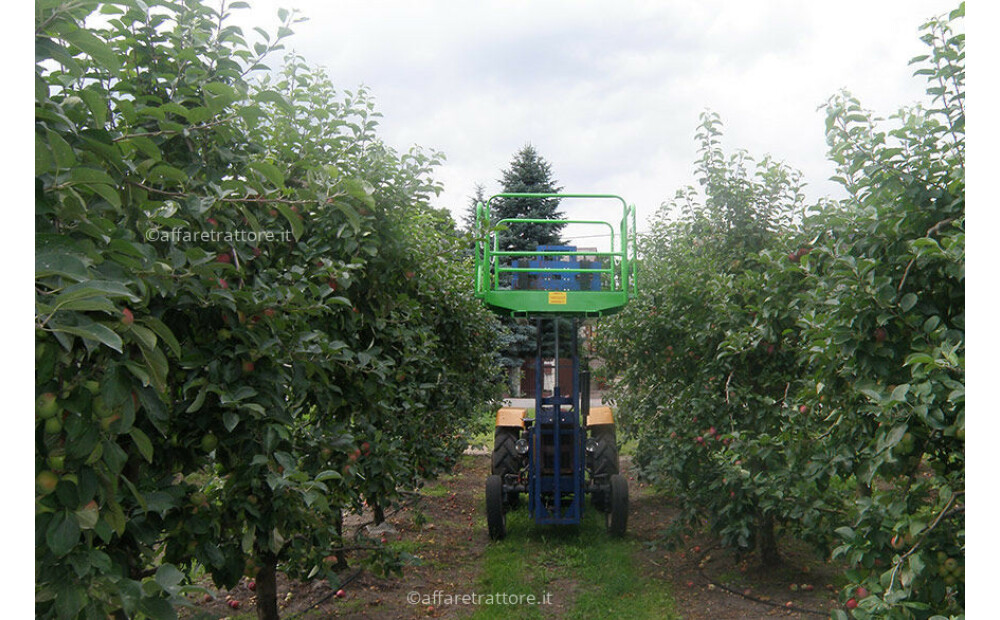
883, 318
706, 361
202, 396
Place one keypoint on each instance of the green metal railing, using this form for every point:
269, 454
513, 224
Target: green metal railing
491, 263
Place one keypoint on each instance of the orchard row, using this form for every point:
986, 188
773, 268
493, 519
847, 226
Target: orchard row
794, 369
220, 405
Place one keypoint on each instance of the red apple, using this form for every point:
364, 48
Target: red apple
212, 221
234, 604
224, 258
127, 317
851, 603
252, 586
861, 592
341, 593
803, 409
248, 366
223, 284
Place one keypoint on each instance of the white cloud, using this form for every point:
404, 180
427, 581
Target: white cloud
610, 96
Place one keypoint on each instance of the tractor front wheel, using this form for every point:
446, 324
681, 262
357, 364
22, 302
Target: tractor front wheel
603, 462
506, 460
617, 517
496, 519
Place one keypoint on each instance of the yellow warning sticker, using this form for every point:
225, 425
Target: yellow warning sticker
557, 298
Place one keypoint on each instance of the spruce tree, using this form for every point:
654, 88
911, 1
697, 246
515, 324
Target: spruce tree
528, 173
478, 195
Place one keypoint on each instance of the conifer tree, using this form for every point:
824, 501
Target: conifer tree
528, 173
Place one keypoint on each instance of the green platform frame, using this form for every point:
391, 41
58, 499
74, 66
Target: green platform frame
617, 270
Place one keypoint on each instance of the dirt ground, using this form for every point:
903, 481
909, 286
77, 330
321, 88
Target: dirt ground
446, 529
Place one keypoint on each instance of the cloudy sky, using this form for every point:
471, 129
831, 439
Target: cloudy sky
610, 93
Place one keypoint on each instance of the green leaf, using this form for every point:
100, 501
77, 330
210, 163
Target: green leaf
94, 288
292, 217
163, 332
350, 213
44, 162
230, 419
60, 264
94, 332
361, 190
270, 96
157, 608
145, 337
908, 301
87, 176
143, 443
87, 518
156, 361
108, 193
70, 599
94, 47
98, 104
63, 533
845, 532
199, 400
168, 577
328, 474
270, 172
63, 152
918, 358
895, 435
899, 394
165, 172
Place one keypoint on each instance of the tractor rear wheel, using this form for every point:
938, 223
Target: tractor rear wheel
617, 518
506, 460
603, 462
496, 519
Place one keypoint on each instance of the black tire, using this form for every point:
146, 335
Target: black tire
496, 519
617, 518
506, 460
603, 462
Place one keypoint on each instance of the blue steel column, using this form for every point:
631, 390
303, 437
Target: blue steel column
535, 473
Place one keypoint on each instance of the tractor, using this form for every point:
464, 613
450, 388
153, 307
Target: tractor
565, 449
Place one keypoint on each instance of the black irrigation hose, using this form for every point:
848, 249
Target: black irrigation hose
332, 594
416, 497
805, 610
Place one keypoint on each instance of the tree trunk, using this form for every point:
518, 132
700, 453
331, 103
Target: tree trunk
379, 514
341, 554
267, 587
767, 542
